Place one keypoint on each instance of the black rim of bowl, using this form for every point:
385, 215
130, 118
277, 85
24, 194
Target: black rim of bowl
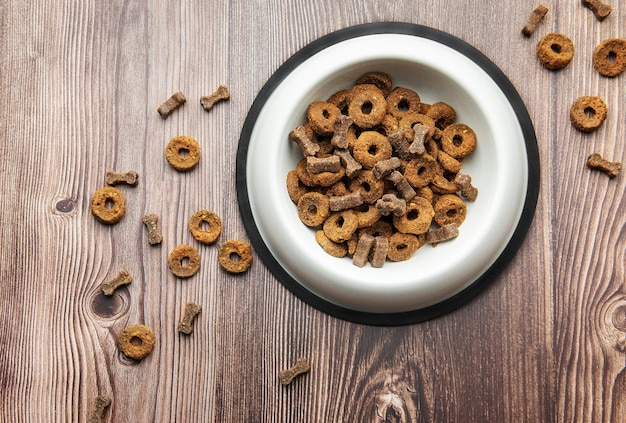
449, 304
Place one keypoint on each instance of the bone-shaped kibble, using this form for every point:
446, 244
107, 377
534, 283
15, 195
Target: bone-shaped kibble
300, 367
221, 94
174, 102
599, 8
595, 161
186, 324
400, 144
404, 188
534, 19
114, 178
379, 254
362, 251
464, 183
349, 163
421, 132
340, 136
323, 164
154, 235
123, 278
299, 136
389, 204
384, 167
343, 202
445, 233
100, 405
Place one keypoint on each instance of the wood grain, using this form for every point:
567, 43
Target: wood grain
80, 84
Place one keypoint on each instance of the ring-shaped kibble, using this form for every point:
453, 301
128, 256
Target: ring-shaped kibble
555, 51
184, 261
340, 226
136, 341
341, 99
370, 186
367, 214
108, 205
450, 208
588, 113
419, 172
367, 108
333, 248
371, 148
199, 220
322, 116
313, 208
410, 119
295, 188
442, 113
458, 140
417, 219
183, 153
235, 256
609, 57
443, 183
403, 246
401, 101
380, 79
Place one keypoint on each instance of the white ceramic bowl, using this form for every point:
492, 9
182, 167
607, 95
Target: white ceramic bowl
499, 168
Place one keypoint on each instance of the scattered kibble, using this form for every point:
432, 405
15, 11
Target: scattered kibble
534, 19
596, 161
122, 279
100, 405
221, 94
152, 225
174, 102
186, 324
300, 367
599, 8
114, 178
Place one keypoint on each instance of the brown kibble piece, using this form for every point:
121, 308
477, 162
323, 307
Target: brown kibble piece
184, 261
449, 208
152, 225
385, 167
343, 202
168, 106
390, 204
322, 116
313, 208
380, 79
183, 153
609, 57
235, 256
400, 144
198, 226
534, 19
136, 341
108, 205
333, 248
363, 248
100, 405
421, 132
406, 190
323, 164
349, 163
444, 233
599, 8
300, 367
299, 136
588, 113
379, 252
464, 183
340, 136
595, 161
123, 278
115, 178
403, 246
221, 94
186, 324
555, 51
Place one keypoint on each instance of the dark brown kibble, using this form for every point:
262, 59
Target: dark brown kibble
406, 190
390, 204
379, 253
123, 278
100, 406
323, 164
421, 132
534, 19
299, 136
174, 102
221, 94
445, 233
340, 137
343, 202
186, 324
363, 248
464, 183
385, 167
596, 161
300, 367
599, 8
349, 163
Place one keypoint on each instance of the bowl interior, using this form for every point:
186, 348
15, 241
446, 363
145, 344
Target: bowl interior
498, 168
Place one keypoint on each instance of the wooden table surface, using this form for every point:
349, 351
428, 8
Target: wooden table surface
80, 82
